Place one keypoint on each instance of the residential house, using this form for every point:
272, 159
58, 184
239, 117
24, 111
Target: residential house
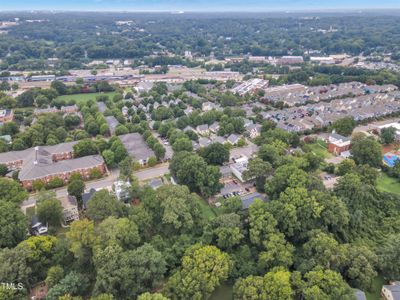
337, 144
112, 124
86, 197
6, 138
125, 111
203, 129
121, 190
239, 167
391, 291
6, 115
249, 199
155, 183
70, 209
137, 147
101, 106
214, 127
207, 106
233, 139
37, 228
253, 130
188, 128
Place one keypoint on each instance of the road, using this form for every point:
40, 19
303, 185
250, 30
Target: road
168, 149
150, 173
107, 182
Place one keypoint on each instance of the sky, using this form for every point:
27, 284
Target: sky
195, 5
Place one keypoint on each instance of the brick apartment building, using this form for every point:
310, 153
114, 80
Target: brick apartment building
48, 162
337, 144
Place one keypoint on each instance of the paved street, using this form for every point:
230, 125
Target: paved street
150, 173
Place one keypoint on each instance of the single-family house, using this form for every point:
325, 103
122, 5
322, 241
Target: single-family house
203, 129
391, 291
70, 209
214, 127
338, 143
233, 139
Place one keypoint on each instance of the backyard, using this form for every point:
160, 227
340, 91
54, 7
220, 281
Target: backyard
388, 184
320, 148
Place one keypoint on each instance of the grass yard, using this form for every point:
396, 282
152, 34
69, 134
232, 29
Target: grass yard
320, 148
388, 184
223, 292
376, 289
208, 212
83, 98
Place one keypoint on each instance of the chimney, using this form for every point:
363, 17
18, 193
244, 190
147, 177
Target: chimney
35, 162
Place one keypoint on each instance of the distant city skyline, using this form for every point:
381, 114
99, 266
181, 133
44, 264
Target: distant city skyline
196, 5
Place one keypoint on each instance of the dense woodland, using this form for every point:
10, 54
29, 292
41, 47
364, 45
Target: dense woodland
78, 37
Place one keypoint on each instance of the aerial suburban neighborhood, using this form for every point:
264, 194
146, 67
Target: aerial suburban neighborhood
197, 156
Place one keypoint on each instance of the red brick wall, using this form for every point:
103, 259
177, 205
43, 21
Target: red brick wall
332, 148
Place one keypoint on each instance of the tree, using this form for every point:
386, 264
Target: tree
326, 284
102, 205
344, 126
388, 135
127, 274
152, 161
13, 225
346, 166
262, 223
155, 296
182, 144
14, 267
59, 86
73, 284
84, 148
203, 269
109, 157
176, 210
366, 150
11, 191
191, 170
258, 169
123, 232
50, 211
388, 252
215, 154
82, 238
278, 252
54, 276
76, 188
39, 254
3, 170
159, 151
274, 285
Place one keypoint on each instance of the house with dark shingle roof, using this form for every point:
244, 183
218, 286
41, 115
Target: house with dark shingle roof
112, 123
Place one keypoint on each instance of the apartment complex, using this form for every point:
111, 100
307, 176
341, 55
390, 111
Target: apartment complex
47, 162
250, 86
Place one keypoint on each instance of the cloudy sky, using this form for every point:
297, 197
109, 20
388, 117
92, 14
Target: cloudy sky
195, 5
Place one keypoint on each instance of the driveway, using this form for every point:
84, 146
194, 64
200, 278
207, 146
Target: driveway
168, 149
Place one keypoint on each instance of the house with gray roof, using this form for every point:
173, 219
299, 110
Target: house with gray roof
214, 127
101, 106
112, 124
249, 199
137, 147
233, 139
203, 129
391, 291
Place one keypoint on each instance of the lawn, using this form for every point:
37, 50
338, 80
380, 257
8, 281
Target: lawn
83, 98
320, 148
207, 211
388, 184
223, 292
376, 289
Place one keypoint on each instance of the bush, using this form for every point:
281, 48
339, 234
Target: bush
152, 161
55, 183
95, 174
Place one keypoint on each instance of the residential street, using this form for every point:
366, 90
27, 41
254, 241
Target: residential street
107, 182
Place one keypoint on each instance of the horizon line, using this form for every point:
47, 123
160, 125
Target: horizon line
183, 11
